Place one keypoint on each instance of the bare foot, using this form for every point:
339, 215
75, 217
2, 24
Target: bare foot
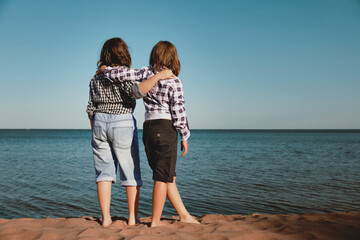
189, 219
133, 221
106, 221
156, 224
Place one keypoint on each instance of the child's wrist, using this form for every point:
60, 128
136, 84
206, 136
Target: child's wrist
158, 76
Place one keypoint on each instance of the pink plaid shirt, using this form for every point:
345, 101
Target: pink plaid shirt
164, 100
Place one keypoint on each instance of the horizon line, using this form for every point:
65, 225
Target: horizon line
230, 129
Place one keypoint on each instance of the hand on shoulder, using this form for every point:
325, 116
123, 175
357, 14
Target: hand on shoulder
166, 74
101, 69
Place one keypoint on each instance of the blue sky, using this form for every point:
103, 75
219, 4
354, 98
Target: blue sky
245, 64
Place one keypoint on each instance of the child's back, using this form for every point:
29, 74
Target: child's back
165, 113
166, 101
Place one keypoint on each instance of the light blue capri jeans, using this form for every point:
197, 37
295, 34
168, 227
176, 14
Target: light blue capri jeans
115, 145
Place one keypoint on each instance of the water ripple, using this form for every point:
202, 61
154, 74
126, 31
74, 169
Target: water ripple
50, 173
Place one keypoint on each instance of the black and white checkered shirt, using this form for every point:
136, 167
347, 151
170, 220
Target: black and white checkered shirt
110, 97
164, 100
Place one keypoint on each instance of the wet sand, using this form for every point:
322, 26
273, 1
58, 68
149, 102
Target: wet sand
309, 226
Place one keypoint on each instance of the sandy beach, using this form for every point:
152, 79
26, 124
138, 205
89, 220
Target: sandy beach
309, 226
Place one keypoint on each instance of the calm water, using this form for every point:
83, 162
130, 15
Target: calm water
49, 173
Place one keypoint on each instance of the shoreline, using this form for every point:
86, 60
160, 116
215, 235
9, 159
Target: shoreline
332, 226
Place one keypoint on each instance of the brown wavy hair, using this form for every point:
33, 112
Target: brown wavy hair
164, 54
114, 52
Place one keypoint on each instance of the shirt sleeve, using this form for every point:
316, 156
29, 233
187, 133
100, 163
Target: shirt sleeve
90, 109
136, 91
121, 74
177, 110
129, 88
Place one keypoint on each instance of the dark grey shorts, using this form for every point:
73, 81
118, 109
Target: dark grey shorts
160, 141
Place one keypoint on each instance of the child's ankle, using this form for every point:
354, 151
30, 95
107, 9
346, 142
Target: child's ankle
132, 219
106, 221
184, 215
155, 223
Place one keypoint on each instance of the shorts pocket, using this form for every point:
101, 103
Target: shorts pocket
123, 137
163, 139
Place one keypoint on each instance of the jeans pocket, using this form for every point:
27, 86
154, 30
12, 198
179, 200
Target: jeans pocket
123, 137
98, 133
98, 137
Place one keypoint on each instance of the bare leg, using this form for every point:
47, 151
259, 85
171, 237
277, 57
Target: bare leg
132, 194
104, 196
158, 201
175, 199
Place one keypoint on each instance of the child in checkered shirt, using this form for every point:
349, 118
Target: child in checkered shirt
165, 115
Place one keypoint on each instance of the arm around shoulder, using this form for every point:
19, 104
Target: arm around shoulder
121, 74
144, 87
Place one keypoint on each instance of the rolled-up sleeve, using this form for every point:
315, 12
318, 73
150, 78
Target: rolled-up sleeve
123, 74
136, 91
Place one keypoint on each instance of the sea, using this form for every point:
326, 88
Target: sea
50, 173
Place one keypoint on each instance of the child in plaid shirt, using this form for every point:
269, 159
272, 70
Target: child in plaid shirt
165, 115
